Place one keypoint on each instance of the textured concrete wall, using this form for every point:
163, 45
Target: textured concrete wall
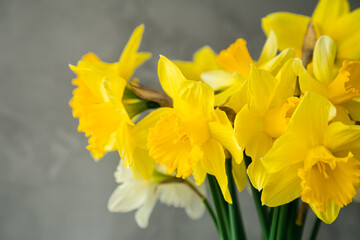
50, 188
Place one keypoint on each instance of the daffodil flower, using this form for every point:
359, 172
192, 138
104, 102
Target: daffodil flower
266, 116
98, 117
204, 60
330, 17
231, 85
314, 160
142, 194
190, 138
341, 87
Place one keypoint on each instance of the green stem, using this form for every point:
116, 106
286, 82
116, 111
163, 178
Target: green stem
261, 210
210, 211
293, 208
282, 221
274, 222
220, 207
315, 229
236, 224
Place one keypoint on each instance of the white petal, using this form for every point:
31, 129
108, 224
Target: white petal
127, 197
123, 174
143, 214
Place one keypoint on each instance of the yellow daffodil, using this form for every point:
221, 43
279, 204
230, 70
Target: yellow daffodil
314, 160
190, 138
204, 60
142, 194
341, 87
98, 117
330, 17
232, 84
266, 116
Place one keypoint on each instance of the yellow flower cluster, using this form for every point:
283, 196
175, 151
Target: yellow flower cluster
296, 118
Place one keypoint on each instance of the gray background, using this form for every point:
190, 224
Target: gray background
50, 188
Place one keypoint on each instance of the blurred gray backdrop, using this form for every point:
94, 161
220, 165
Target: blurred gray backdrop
50, 188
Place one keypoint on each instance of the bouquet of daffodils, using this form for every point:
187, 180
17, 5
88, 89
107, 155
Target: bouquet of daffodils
288, 122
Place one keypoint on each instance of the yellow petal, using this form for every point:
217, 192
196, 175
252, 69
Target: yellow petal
203, 61
289, 29
130, 59
308, 125
323, 60
199, 173
276, 63
287, 150
257, 174
269, 50
195, 100
331, 213
347, 35
276, 193
218, 80
248, 125
170, 76
353, 107
222, 131
239, 173
258, 146
286, 85
214, 164
262, 86
236, 58
306, 81
327, 12
115, 87
340, 137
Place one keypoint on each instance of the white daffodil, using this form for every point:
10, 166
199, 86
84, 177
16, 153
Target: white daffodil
142, 194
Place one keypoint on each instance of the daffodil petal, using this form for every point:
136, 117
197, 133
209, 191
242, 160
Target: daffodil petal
286, 86
223, 132
262, 85
323, 60
276, 63
276, 193
195, 98
130, 59
289, 29
308, 125
331, 213
346, 33
142, 215
340, 137
327, 12
127, 197
269, 50
353, 107
289, 149
214, 164
257, 174
239, 173
306, 81
218, 80
203, 61
170, 76
247, 126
